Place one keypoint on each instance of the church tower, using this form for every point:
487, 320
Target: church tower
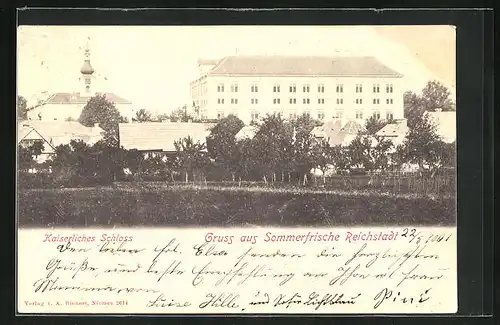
87, 72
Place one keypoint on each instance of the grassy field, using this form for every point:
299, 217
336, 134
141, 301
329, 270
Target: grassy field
191, 205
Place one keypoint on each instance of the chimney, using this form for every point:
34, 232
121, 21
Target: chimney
439, 109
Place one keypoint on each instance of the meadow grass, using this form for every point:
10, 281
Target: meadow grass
159, 204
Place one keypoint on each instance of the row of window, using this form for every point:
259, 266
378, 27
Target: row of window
320, 115
375, 101
305, 101
306, 88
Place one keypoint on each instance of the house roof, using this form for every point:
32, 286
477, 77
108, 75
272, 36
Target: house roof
398, 129
246, 132
446, 124
160, 136
207, 61
76, 98
336, 134
302, 66
57, 132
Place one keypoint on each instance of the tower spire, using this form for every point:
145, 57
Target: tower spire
87, 71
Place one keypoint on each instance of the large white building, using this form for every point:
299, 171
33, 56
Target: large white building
63, 106
344, 88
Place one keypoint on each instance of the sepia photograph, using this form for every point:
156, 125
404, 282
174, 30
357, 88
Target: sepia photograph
236, 126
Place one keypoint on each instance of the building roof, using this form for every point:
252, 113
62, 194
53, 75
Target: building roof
207, 61
302, 66
397, 129
446, 124
76, 98
246, 132
160, 136
57, 132
336, 134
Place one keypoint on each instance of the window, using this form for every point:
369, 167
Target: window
321, 88
234, 100
276, 88
376, 101
376, 114
276, 101
359, 101
255, 89
359, 88
340, 101
293, 88
376, 88
389, 116
340, 88
388, 101
359, 115
305, 101
254, 101
220, 100
220, 114
321, 115
321, 100
234, 88
338, 114
292, 115
293, 100
307, 113
388, 88
254, 115
220, 88
305, 88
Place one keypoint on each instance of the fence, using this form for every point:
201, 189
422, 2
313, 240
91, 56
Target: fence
389, 182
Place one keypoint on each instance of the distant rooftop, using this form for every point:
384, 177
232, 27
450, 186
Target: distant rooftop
300, 66
77, 98
336, 134
246, 132
57, 132
160, 136
446, 124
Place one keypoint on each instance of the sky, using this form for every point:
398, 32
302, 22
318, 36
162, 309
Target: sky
153, 65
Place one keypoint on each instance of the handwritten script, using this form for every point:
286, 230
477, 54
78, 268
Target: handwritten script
237, 271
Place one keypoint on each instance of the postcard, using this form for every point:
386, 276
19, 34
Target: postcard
236, 170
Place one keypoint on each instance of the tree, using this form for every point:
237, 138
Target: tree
373, 125
245, 158
424, 147
413, 107
26, 155
272, 145
142, 116
380, 153
180, 115
22, 108
302, 146
436, 95
221, 143
190, 155
360, 155
340, 158
322, 156
99, 110
398, 157
162, 117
